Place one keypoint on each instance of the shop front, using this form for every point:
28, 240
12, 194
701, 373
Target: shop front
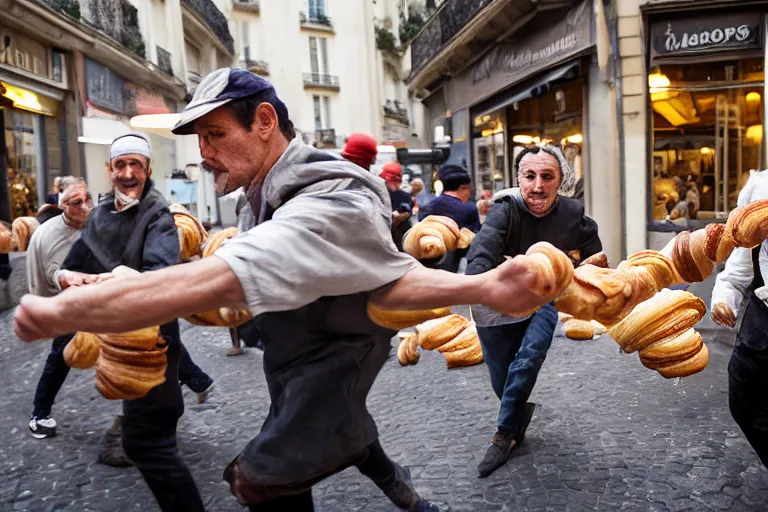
528, 90
706, 80
32, 119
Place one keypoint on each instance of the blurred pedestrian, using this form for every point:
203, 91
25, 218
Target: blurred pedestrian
361, 149
53, 197
392, 174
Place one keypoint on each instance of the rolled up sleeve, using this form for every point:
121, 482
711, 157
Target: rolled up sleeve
315, 246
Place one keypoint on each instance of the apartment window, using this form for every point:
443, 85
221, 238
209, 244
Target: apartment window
246, 40
316, 8
318, 55
322, 108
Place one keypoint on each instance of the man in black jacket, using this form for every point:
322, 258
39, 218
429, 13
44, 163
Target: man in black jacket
515, 348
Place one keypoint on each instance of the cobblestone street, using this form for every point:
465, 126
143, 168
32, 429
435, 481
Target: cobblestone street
608, 435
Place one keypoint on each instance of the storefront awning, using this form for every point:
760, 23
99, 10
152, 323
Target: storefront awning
531, 89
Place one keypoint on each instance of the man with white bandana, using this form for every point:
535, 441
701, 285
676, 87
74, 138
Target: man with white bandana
319, 250
515, 348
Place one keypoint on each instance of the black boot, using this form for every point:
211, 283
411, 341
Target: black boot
503, 444
113, 453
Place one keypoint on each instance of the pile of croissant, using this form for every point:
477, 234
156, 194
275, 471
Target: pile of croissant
453, 336
128, 365
17, 238
435, 236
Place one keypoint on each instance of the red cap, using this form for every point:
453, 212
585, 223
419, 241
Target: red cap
391, 170
360, 149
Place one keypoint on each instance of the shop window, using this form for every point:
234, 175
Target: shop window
490, 171
22, 139
707, 136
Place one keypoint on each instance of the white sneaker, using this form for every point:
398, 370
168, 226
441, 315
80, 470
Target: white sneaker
42, 428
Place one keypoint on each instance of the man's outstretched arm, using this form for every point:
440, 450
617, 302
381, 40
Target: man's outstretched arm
131, 302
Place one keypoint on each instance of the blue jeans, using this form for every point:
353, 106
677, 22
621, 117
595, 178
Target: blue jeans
514, 354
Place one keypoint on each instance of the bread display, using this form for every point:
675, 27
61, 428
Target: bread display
23, 228
6, 240
579, 329
661, 330
465, 238
432, 238
130, 364
221, 317
402, 319
191, 232
408, 350
82, 351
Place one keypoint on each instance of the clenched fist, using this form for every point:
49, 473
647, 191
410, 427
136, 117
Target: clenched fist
723, 315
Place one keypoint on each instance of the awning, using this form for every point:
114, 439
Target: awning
530, 89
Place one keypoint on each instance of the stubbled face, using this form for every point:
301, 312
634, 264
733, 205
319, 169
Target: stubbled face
129, 174
464, 192
539, 178
76, 206
233, 154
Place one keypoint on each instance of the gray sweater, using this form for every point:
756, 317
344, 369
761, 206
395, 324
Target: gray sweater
47, 249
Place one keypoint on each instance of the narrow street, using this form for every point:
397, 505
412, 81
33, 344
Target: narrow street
609, 435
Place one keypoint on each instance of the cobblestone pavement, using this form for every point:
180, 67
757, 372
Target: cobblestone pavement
609, 435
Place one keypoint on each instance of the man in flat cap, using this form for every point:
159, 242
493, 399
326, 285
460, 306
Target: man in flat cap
319, 250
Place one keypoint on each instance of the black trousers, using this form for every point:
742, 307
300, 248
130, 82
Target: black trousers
748, 396
192, 375
388, 476
149, 440
54, 374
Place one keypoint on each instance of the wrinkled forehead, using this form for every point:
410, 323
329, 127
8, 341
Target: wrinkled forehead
539, 162
128, 158
75, 191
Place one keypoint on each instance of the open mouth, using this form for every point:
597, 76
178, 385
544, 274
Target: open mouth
220, 177
128, 184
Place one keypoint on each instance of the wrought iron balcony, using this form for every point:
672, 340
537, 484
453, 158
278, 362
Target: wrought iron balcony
315, 20
321, 81
393, 110
209, 14
260, 67
248, 5
441, 27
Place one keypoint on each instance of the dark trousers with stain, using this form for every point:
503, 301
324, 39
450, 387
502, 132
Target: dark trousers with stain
149, 440
54, 374
388, 476
514, 354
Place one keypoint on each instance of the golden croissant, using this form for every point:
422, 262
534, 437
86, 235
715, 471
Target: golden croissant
465, 339
469, 356
402, 319
23, 228
553, 272
579, 329
432, 237
435, 333
408, 350
221, 317
191, 232
466, 236
661, 329
748, 225
82, 351
130, 364
6, 240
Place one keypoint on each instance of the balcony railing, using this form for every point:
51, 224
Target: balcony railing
321, 80
260, 67
214, 19
441, 27
248, 5
315, 18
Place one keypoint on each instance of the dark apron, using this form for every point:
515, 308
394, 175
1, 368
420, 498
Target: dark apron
320, 362
748, 370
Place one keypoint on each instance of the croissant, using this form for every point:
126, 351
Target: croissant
82, 351
6, 240
402, 319
432, 237
192, 234
435, 333
469, 356
600, 329
130, 364
661, 329
748, 225
408, 350
221, 317
598, 260
216, 239
719, 244
466, 338
552, 269
465, 238
579, 330
689, 258
23, 228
